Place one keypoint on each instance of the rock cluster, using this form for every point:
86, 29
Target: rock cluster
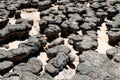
61, 20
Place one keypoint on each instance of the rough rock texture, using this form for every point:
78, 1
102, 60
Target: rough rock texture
95, 67
59, 39
31, 46
82, 43
56, 64
14, 31
52, 52
5, 66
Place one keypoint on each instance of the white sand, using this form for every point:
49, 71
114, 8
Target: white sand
103, 40
32, 16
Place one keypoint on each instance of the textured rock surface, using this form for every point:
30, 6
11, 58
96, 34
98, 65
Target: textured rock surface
59, 39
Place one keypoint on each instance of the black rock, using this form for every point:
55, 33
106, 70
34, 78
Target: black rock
18, 14
3, 22
53, 1
82, 1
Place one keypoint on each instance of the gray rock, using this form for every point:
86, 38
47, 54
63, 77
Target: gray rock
44, 5
52, 31
86, 44
104, 76
111, 52
19, 31
5, 66
13, 76
81, 77
35, 65
73, 39
56, 64
101, 64
84, 68
22, 67
71, 58
24, 21
56, 42
52, 52
117, 58
50, 69
45, 76
29, 76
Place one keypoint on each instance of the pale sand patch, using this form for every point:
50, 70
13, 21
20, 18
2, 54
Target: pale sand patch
103, 40
12, 21
55, 7
12, 45
43, 57
33, 15
79, 32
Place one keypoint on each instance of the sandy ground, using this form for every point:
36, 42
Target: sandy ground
65, 74
103, 40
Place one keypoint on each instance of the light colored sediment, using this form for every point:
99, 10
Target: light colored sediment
103, 40
12, 21
32, 14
